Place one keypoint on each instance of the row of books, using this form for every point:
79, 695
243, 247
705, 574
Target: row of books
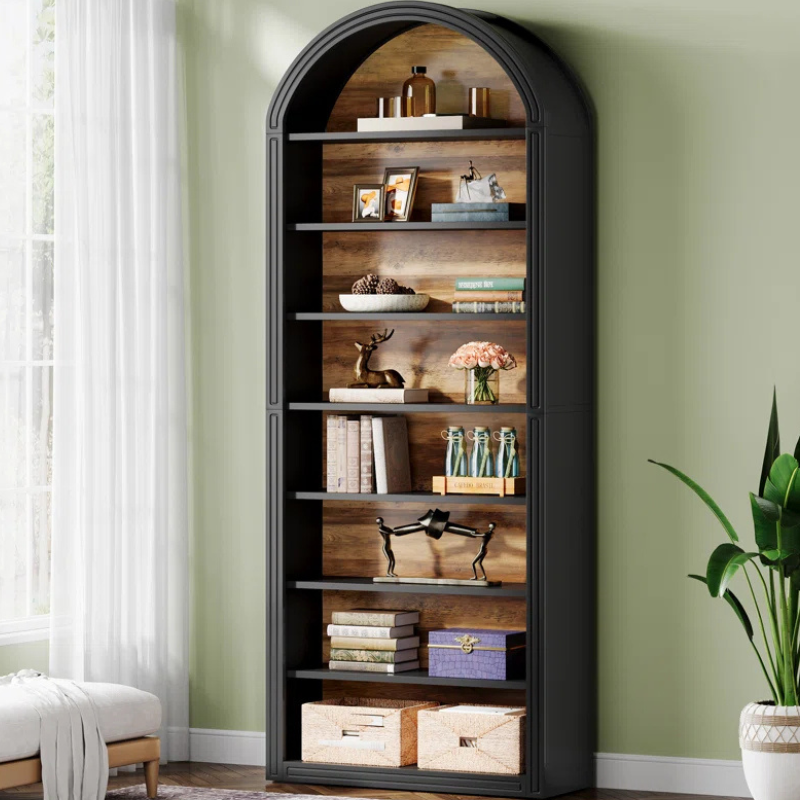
487, 295
374, 640
367, 454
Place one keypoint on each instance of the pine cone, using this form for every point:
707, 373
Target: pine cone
406, 290
366, 285
388, 286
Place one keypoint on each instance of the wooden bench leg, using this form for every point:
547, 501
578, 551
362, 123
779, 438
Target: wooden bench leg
151, 778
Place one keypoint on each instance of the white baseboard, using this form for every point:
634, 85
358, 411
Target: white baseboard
680, 775
228, 747
693, 776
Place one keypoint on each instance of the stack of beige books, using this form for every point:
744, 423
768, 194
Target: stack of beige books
374, 640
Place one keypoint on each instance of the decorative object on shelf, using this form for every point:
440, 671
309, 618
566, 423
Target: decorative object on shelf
507, 465
390, 107
378, 395
442, 484
435, 524
482, 363
487, 295
434, 122
455, 460
474, 188
472, 738
368, 378
366, 731
384, 303
479, 101
769, 731
462, 307
368, 202
481, 460
400, 187
477, 212
419, 94
495, 655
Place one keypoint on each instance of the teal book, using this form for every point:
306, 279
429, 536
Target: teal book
492, 284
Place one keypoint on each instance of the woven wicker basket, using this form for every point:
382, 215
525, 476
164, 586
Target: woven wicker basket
463, 742
358, 730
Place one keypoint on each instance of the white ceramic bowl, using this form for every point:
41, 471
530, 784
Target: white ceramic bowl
384, 302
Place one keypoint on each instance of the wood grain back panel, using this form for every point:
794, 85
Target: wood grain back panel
454, 62
428, 261
351, 545
420, 352
445, 695
436, 612
441, 167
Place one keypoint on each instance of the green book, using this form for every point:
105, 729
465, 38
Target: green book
479, 284
375, 656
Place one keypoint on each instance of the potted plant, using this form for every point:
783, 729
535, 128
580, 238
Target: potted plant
769, 730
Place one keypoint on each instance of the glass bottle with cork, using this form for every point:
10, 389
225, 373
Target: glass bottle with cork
419, 94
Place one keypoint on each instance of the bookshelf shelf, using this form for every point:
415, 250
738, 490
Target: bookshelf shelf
414, 676
406, 227
422, 316
410, 408
361, 585
314, 254
421, 498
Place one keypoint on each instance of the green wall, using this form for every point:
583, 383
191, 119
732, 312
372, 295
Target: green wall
697, 284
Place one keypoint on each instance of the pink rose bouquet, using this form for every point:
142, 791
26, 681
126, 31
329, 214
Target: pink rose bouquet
483, 360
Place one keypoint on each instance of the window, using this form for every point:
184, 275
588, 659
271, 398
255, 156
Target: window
27, 83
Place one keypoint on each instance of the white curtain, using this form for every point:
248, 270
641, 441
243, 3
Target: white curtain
119, 604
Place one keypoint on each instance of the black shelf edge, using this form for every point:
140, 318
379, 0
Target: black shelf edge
410, 778
410, 408
417, 676
473, 134
414, 497
361, 585
365, 227
414, 316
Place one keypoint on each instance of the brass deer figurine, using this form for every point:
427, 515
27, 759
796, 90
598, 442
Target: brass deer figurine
374, 379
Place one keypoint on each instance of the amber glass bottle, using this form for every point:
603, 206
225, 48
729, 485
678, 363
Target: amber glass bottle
419, 94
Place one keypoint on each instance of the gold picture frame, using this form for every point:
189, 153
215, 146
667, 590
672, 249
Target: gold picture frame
399, 190
368, 202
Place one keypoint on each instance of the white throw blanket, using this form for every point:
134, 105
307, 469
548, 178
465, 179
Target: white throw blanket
73, 753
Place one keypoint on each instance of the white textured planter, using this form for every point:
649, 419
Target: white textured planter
770, 740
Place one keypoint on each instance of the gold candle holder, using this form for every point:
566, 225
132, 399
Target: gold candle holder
479, 101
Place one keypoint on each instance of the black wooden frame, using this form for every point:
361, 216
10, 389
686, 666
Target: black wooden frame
560, 591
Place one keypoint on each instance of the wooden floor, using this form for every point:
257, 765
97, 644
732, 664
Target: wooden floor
223, 776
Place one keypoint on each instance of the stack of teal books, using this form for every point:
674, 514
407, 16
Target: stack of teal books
489, 295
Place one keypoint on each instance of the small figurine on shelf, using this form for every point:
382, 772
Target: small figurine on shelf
473, 188
374, 379
435, 524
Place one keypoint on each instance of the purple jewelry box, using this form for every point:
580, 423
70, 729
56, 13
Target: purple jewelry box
478, 653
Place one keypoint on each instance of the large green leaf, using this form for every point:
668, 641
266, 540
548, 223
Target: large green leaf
773, 447
783, 485
704, 496
735, 604
723, 565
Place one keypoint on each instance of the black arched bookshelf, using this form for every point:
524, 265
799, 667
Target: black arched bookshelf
322, 549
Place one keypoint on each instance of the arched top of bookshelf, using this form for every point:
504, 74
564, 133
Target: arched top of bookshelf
339, 75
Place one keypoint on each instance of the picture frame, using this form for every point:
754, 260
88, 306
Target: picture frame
368, 202
399, 190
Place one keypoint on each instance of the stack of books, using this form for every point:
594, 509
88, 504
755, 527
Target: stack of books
367, 454
489, 295
374, 640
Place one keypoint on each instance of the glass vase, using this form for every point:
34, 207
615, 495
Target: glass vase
481, 386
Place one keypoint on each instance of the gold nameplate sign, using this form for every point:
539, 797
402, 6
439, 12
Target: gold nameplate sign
499, 486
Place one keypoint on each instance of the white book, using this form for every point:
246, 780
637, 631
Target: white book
446, 122
360, 643
370, 631
369, 666
378, 396
392, 463
365, 462
353, 455
341, 455
374, 616
333, 421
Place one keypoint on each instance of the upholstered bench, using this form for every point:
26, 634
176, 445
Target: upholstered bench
126, 718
